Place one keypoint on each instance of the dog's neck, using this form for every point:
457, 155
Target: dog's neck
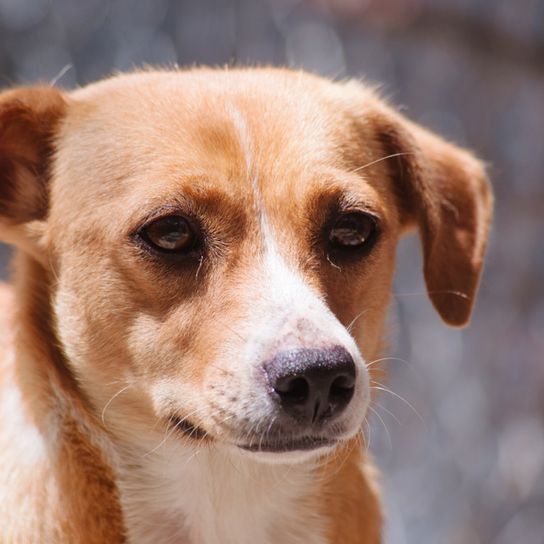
210, 495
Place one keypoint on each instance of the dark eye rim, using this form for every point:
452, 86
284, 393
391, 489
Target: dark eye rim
340, 250
143, 241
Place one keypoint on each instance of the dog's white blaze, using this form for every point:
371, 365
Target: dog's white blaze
246, 145
286, 299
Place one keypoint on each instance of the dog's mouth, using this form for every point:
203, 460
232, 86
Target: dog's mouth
187, 428
279, 444
282, 445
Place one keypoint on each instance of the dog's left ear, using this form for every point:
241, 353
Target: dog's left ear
29, 118
444, 191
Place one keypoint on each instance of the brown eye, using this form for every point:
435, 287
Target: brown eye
172, 234
352, 231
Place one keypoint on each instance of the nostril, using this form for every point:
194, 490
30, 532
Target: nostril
344, 381
294, 389
342, 388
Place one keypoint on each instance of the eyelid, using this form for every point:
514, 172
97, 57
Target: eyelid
344, 208
341, 209
371, 214
167, 210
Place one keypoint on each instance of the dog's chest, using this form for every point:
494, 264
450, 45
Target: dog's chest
209, 498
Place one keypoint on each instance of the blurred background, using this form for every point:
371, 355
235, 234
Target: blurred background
461, 447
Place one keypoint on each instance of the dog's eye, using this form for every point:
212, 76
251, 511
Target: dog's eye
172, 234
352, 231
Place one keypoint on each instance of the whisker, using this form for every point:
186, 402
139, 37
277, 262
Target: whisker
380, 387
102, 416
360, 314
189, 459
384, 426
375, 361
372, 163
366, 443
200, 262
61, 74
439, 292
361, 441
387, 412
366, 422
233, 331
333, 264
169, 430
345, 456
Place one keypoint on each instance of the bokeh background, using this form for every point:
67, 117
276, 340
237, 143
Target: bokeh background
462, 450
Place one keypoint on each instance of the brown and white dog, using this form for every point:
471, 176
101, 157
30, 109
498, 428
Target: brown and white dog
196, 252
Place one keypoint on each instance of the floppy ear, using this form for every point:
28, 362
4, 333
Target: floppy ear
444, 191
29, 118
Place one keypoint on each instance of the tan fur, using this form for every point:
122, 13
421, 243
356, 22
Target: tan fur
100, 342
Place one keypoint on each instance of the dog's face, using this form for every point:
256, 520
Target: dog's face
215, 240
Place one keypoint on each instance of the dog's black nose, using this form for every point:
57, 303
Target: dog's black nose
312, 385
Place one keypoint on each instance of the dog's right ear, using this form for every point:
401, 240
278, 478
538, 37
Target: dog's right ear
29, 119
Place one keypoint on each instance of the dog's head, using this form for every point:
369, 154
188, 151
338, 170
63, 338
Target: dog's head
214, 240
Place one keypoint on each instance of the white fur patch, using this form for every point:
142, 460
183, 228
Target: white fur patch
215, 496
289, 312
244, 137
24, 442
24, 460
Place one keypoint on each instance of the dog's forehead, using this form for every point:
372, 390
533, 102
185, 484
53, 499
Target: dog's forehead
256, 136
238, 117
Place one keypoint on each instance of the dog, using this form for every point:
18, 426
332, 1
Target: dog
195, 254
